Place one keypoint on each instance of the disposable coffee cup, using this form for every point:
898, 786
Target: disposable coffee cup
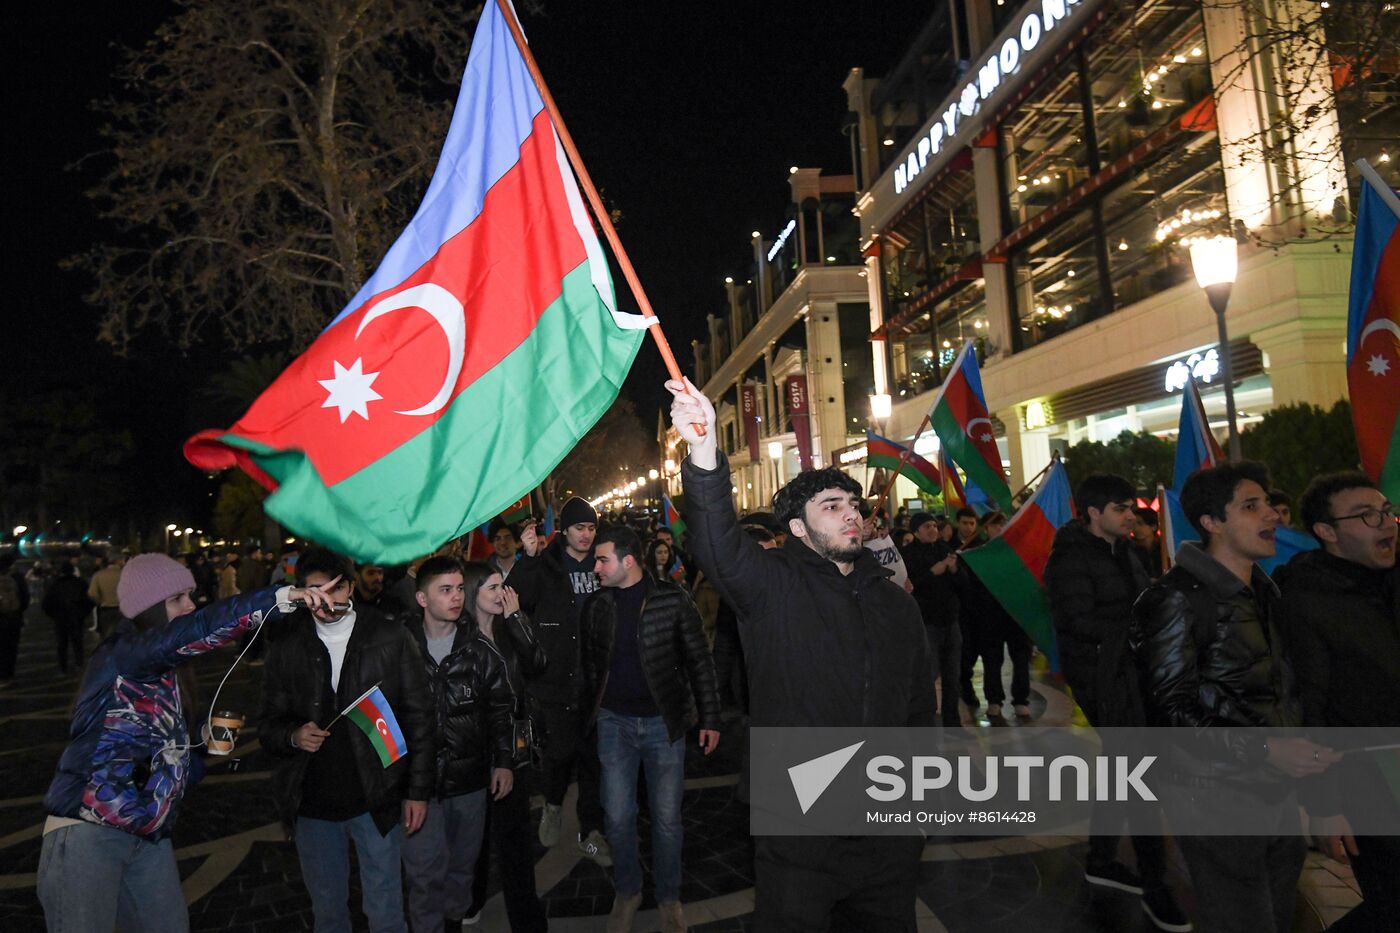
223, 731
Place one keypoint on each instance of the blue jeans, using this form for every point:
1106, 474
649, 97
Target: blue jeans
92, 877
624, 742
322, 847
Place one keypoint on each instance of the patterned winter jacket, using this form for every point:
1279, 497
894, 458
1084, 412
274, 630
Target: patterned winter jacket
127, 764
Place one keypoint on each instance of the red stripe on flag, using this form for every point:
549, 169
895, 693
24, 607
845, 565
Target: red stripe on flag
966, 408
1374, 375
1031, 536
506, 268
371, 712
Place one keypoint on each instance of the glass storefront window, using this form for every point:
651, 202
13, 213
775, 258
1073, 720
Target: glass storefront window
1185, 188
921, 358
1043, 145
1144, 70
1057, 282
1147, 66
931, 243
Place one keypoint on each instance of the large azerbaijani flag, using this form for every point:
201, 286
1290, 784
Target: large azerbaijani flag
881, 452
1012, 565
375, 717
1373, 336
482, 349
959, 416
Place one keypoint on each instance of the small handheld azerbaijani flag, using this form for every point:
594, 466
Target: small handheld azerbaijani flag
375, 717
670, 518
418, 414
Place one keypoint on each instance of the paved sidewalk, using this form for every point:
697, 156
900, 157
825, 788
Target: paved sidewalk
240, 874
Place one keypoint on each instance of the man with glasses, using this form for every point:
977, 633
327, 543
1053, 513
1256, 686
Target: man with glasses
1341, 618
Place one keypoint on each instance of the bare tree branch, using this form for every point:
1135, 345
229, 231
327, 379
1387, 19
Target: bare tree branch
261, 156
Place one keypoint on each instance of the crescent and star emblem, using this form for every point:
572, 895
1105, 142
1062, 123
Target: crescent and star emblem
987, 436
351, 388
1378, 365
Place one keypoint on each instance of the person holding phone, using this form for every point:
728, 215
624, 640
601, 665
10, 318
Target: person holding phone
329, 783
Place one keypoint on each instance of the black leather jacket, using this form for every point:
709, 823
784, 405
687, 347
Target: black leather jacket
518, 642
472, 703
296, 690
1211, 658
675, 657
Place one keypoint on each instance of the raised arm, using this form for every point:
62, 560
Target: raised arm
731, 559
148, 654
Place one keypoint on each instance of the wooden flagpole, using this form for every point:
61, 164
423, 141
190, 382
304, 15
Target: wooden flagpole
353, 703
594, 201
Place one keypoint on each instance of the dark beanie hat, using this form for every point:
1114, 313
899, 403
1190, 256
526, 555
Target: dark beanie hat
919, 518
577, 510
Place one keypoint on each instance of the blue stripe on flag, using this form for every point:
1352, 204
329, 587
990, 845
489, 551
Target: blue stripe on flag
387, 711
485, 131
1375, 222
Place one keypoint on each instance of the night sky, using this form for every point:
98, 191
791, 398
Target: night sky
687, 116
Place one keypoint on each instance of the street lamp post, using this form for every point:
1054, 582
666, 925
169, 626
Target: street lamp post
168, 529
775, 453
1215, 260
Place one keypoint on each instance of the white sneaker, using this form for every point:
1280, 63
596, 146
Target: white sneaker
595, 846
549, 825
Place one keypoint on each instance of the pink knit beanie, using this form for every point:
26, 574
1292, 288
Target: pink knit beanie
148, 579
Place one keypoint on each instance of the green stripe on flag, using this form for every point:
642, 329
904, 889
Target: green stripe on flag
1009, 580
1390, 469
959, 449
372, 733
881, 462
499, 437
910, 471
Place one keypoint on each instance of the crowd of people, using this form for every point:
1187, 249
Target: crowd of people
596, 657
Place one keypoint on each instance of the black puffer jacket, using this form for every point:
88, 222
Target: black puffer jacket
296, 690
547, 595
676, 661
1092, 587
472, 703
822, 648
518, 641
1211, 658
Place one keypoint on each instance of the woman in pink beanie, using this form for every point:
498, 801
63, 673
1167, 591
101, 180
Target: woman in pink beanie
106, 853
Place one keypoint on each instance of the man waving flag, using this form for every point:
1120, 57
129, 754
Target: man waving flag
419, 413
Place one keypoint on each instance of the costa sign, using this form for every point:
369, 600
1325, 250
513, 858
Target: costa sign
1004, 60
